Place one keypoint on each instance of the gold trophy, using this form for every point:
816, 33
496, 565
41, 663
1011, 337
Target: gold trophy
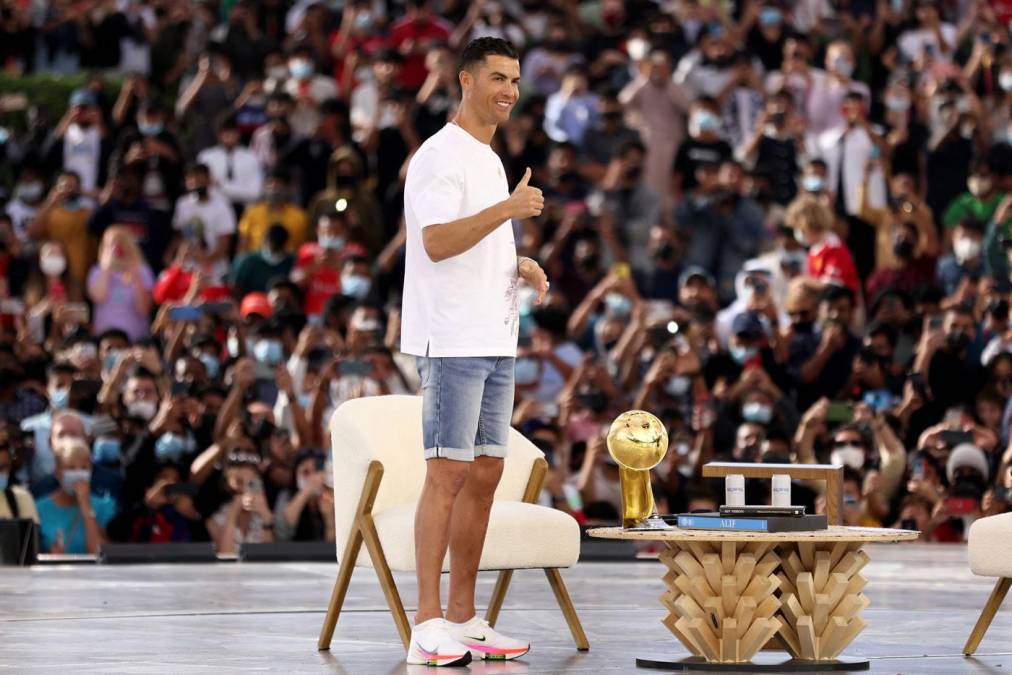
638, 442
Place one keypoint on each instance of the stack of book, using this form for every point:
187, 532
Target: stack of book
751, 519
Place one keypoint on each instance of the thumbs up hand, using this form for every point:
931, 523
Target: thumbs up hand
526, 201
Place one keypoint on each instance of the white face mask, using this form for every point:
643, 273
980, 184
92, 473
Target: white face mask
52, 265
966, 249
143, 409
848, 455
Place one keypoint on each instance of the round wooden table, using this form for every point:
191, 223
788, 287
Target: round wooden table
731, 594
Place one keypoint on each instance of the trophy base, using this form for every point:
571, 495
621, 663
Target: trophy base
653, 523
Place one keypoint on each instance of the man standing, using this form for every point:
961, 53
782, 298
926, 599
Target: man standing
461, 319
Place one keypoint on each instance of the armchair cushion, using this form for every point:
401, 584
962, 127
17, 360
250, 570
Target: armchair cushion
990, 546
520, 535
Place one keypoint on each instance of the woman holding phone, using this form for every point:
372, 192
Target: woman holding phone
120, 285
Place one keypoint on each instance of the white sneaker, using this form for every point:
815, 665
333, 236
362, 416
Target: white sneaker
484, 642
432, 645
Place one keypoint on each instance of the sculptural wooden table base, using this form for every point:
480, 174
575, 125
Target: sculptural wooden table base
731, 594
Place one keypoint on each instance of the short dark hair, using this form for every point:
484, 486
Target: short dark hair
834, 292
477, 49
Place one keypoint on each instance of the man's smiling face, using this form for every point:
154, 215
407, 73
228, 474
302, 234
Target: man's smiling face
493, 87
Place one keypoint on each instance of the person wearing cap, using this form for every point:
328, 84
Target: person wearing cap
697, 289
255, 304
660, 281
77, 143
246, 517
753, 290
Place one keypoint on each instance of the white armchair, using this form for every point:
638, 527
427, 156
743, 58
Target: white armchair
378, 475
990, 548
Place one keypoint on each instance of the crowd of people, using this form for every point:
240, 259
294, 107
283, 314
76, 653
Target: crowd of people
782, 227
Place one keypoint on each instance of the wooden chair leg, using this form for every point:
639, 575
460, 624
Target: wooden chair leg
340, 588
566, 605
502, 583
386, 578
351, 550
986, 616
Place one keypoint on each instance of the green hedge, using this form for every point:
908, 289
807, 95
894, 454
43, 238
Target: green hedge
51, 91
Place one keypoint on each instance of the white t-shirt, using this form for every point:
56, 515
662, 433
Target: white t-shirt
210, 220
465, 305
912, 43
82, 149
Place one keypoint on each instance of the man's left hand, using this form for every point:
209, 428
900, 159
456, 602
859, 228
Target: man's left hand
532, 273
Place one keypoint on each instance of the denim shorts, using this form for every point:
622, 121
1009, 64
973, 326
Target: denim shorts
467, 404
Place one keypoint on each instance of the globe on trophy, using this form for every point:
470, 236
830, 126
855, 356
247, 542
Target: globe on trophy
638, 442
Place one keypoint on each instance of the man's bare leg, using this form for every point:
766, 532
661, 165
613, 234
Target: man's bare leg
468, 525
444, 480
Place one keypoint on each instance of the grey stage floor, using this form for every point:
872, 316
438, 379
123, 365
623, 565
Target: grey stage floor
266, 616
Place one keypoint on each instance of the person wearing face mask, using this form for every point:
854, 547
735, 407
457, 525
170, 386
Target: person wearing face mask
775, 144
704, 145
318, 271
63, 217
15, 501
140, 396
656, 108
205, 215
829, 259
943, 360
61, 420
29, 194
152, 152
79, 140
950, 151
611, 134
915, 265
348, 195
308, 88
749, 349
252, 271
234, 168
207, 96
304, 511
356, 278
980, 201
967, 257
829, 87
276, 207
72, 519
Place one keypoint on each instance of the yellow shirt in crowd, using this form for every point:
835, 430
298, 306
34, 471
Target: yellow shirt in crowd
70, 228
260, 216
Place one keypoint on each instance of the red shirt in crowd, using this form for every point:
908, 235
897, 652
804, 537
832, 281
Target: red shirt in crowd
325, 280
908, 279
423, 32
367, 46
830, 260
